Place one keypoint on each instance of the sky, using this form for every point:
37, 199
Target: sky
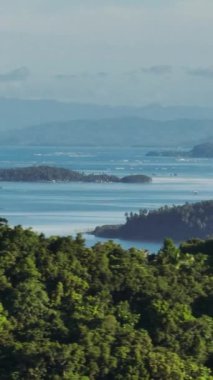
121, 52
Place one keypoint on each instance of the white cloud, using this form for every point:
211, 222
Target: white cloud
17, 75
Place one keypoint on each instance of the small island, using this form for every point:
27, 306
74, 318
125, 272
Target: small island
204, 150
57, 174
178, 222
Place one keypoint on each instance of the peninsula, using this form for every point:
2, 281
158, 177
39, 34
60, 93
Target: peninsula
178, 222
204, 150
57, 174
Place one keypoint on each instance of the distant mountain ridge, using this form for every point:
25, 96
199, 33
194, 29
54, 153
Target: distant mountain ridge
20, 113
128, 131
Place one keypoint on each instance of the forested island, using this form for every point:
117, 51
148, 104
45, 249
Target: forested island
68, 312
56, 174
204, 150
177, 222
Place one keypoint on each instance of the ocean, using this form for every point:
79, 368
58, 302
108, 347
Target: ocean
69, 208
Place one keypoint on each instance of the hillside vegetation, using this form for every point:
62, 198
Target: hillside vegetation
103, 313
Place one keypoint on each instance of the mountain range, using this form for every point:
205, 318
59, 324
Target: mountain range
50, 122
20, 113
128, 131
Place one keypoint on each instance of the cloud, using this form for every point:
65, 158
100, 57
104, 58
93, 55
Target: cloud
132, 42
152, 70
18, 75
65, 76
157, 70
84, 75
204, 72
102, 74
132, 73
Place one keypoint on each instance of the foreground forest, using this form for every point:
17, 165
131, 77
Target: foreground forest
177, 222
103, 313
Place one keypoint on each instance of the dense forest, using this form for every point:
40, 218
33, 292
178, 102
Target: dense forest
50, 173
177, 222
103, 313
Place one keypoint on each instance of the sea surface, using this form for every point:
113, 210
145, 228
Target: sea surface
68, 208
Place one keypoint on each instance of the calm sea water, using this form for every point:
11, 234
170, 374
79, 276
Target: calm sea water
68, 208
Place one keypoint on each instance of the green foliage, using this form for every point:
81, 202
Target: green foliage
103, 313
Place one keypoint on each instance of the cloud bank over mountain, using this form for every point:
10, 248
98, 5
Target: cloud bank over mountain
108, 52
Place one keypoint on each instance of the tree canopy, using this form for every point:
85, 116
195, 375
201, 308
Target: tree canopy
103, 313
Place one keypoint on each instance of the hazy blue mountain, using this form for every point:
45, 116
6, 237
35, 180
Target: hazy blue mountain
17, 113
103, 132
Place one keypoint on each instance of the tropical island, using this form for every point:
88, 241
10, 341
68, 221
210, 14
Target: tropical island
57, 174
204, 150
68, 312
178, 222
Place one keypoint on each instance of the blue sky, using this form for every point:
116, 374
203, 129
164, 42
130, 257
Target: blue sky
115, 52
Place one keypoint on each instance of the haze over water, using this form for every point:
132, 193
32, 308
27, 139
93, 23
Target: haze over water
68, 208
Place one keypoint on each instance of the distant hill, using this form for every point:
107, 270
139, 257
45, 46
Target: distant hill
20, 113
128, 131
178, 222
